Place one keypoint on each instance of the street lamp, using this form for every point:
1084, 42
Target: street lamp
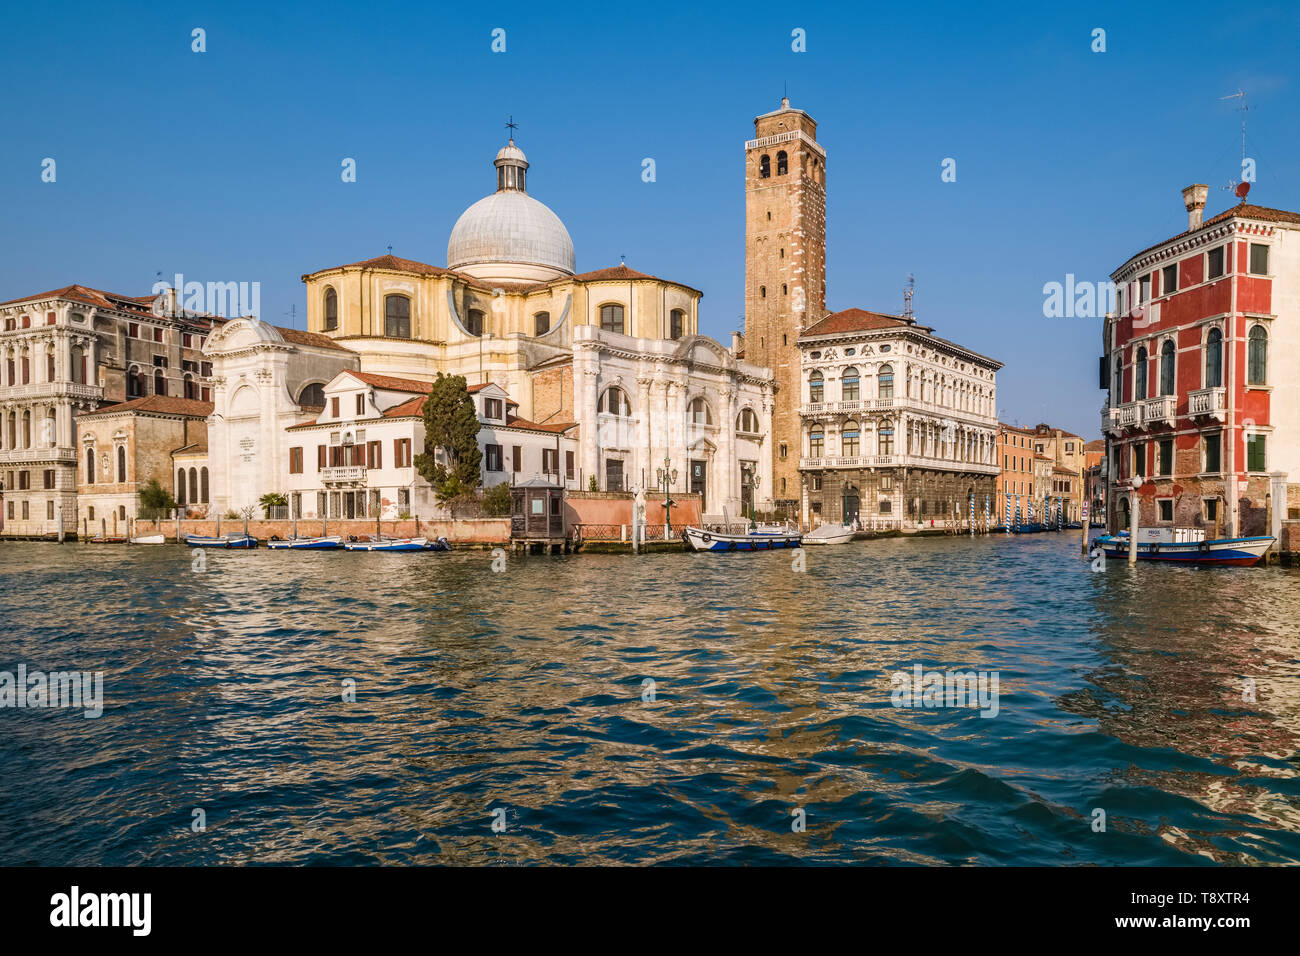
667, 477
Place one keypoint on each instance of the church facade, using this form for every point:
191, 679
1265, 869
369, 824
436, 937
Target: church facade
614, 352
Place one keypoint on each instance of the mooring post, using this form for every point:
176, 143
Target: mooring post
1133, 526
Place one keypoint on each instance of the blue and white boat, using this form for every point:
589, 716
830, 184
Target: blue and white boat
398, 544
320, 543
235, 539
761, 539
1159, 544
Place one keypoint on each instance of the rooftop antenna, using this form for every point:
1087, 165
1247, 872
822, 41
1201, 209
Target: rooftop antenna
1241, 187
293, 316
390, 248
622, 260
907, 299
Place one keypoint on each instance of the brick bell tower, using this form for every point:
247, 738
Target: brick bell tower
785, 268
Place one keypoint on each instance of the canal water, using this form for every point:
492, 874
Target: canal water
506, 718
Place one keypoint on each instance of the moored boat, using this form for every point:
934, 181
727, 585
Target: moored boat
235, 539
319, 543
147, 539
829, 534
391, 544
701, 539
1160, 545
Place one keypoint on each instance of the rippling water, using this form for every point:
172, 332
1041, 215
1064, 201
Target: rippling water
522, 691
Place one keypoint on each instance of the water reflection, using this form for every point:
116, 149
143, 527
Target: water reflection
523, 691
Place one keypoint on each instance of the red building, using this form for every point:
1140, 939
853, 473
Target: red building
1202, 366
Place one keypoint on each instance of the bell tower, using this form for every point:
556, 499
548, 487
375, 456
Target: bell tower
785, 268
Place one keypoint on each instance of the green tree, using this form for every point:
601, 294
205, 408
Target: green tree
451, 427
155, 500
496, 501
272, 499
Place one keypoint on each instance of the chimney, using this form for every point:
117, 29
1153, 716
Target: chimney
737, 343
1194, 200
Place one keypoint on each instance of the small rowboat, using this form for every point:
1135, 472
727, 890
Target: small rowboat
1229, 552
236, 539
319, 543
829, 534
398, 544
701, 540
148, 539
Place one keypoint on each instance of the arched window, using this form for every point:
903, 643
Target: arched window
764, 169
1140, 375
1167, 368
1117, 388
194, 484
613, 401
1257, 356
747, 422
90, 464
782, 163
849, 440
816, 388
849, 384
611, 318
397, 317
541, 323
121, 463
203, 485
159, 382
27, 429
134, 383
1214, 359
313, 395
676, 323
331, 310
191, 387
762, 292
885, 438
699, 412
474, 322
49, 366
885, 381
180, 487
816, 442
78, 365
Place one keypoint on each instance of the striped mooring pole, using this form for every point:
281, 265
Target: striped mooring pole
1006, 514
972, 514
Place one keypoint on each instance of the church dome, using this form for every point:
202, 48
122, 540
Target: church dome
509, 235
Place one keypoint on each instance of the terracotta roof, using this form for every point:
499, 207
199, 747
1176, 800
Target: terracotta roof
78, 293
397, 264
854, 320
619, 273
393, 384
312, 339
159, 404
1241, 210
1097, 444
411, 408
514, 421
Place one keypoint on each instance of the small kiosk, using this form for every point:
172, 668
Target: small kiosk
537, 517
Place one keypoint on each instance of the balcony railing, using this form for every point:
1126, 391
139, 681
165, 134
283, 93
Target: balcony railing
344, 473
1211, 402
1161, 410
52, 390
896, 461
26, 455
1129, 415
1109, 420
896, 404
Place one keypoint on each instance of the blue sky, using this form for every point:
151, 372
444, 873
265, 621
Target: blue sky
225, 165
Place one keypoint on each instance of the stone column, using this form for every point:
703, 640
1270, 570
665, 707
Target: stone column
644, 457
726, 463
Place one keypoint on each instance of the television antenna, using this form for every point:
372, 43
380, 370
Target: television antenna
1241, 188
